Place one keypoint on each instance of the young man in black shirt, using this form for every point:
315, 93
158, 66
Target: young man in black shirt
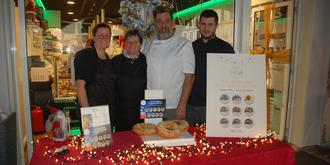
208, 43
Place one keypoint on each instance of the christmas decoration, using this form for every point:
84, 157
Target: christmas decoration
59, 124
137, 14
150, 154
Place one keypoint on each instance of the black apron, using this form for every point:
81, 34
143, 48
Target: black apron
101, 90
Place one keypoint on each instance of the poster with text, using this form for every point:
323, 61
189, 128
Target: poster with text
152, 108
96, 126
236, 95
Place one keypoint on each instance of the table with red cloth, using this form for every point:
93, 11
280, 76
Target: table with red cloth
270, 152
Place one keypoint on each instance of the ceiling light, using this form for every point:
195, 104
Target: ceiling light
109, 22
70, 2
75, 19
70, 12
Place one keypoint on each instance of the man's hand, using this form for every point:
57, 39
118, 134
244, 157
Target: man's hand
186, 89
181, 111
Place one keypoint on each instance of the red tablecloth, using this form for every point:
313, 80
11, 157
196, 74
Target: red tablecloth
275, 153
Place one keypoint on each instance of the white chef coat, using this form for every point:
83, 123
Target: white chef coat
168, 61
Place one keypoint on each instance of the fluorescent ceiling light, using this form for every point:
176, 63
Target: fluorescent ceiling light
192, 11
40, 4
70, 12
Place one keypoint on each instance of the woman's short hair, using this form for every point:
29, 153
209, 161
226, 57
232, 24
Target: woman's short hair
100, 25
134, 32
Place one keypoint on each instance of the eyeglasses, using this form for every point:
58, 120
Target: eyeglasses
102, 36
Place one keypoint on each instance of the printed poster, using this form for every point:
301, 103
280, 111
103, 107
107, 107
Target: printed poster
236, 95
96, 126
152, 108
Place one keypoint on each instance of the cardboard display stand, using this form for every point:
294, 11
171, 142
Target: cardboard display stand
236, 95
96, 126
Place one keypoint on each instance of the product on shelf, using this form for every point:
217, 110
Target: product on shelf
52, 45
66, 89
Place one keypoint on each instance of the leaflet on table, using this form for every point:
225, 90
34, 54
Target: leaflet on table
236, 95
152, 108
96, 126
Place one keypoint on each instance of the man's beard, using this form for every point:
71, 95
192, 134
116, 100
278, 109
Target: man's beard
208, 38
165, 35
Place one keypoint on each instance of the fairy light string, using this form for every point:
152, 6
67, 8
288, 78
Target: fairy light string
150, 154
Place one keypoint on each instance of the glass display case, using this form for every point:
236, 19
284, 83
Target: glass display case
271, 34
52, 55
58, 62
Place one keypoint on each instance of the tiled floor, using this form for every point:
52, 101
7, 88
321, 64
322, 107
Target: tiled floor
303, 158
313, 155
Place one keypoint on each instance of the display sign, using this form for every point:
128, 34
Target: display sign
96, 126
236, 95
152, 108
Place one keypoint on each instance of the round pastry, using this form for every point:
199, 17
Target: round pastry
237, 123
236, 111
249, 99
224, 111
168, 129
144, 129
224, 98
224, 122
248, 111
248, 123
183, 125
236, 99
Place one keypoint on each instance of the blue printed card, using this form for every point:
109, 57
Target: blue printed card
152, 108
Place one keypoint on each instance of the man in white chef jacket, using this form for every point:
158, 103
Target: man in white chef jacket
171, 64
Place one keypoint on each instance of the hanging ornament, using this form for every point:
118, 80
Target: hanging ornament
137, 14
167, 4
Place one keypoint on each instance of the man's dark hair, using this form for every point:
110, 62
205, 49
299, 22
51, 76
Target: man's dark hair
209, 13
133, 33
160, 10
100, 25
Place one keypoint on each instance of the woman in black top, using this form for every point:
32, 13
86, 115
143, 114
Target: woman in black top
131, 81
93, 73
